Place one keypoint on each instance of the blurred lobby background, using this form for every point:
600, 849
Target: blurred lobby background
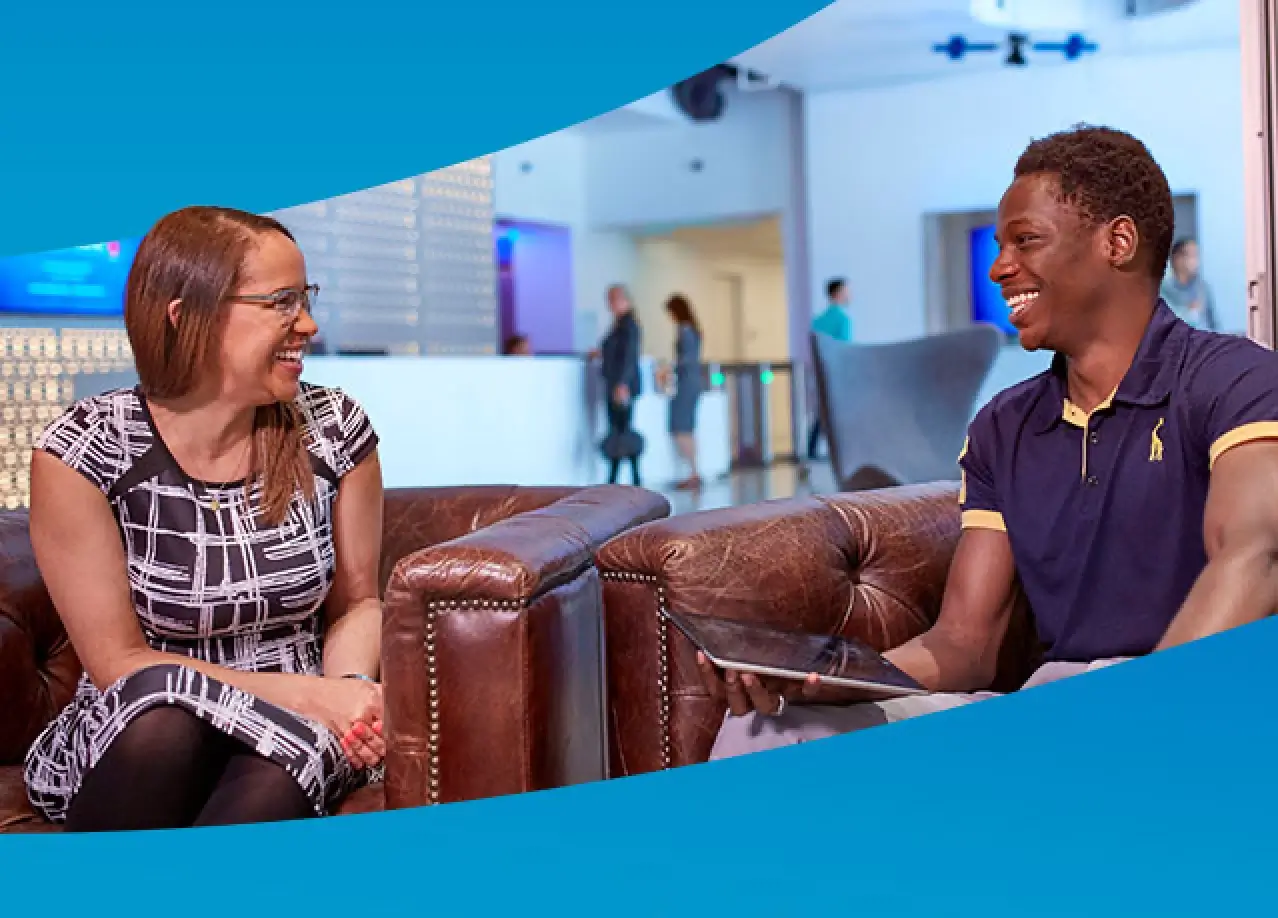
870, 142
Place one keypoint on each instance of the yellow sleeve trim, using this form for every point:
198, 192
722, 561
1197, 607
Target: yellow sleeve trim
983, 519
1260, 430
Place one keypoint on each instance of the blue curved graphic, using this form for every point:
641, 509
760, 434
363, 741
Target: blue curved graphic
1145, 788
114, 114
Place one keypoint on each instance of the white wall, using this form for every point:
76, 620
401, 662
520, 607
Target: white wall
879, 160
646, 178
552, 189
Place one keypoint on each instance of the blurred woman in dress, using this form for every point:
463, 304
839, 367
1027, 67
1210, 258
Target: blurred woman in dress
687, 387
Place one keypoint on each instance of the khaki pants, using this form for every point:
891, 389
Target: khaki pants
803, 723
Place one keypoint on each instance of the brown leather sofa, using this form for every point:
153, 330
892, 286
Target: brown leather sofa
870, 565
492, 644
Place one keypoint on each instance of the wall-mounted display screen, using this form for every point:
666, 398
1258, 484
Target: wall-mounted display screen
988, 304
86, 280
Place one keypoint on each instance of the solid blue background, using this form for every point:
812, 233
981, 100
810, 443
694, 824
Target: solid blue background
113, 114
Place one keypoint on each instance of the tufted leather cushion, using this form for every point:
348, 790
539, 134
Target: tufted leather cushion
870, 565
38, 667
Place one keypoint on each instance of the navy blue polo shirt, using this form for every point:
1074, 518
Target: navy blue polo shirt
1105, 511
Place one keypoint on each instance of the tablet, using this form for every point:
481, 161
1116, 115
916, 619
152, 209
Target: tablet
793, 655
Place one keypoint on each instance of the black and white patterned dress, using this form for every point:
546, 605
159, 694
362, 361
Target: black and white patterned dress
207, 583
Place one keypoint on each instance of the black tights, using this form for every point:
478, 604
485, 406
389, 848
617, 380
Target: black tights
169, 769
614, 470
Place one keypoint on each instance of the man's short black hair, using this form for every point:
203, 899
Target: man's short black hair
1181, 244
1105, 174
833, 287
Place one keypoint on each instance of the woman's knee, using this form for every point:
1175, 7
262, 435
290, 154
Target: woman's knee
153, 774
253, 789
164, 737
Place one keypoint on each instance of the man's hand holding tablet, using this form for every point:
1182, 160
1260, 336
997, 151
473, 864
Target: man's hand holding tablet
754, 667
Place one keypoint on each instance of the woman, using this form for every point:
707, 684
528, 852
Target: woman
210, 540
621, 378
687, 385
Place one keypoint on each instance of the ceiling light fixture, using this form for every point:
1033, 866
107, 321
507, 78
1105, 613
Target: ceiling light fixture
1072, 48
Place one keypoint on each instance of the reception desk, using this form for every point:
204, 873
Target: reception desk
509, 420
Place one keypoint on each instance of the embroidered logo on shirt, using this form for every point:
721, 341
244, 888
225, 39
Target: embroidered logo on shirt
1156, 444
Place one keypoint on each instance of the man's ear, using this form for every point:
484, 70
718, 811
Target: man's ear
1122, 242
174, 312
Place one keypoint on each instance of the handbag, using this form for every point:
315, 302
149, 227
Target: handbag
622, 444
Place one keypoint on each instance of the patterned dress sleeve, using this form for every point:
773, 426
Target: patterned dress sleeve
356, 437
82, 438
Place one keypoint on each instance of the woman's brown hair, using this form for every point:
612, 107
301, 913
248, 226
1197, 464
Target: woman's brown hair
196, 255
681, 311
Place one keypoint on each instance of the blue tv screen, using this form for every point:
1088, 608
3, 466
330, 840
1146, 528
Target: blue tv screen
86, 280
988, 304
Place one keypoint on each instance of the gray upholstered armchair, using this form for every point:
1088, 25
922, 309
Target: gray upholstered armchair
896, 414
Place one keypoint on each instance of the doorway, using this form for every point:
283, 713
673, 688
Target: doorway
535, 284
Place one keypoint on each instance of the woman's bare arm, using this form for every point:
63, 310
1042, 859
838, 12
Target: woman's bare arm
352, 641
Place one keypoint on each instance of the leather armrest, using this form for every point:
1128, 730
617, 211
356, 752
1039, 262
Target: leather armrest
492, 653
516, 558
417, 518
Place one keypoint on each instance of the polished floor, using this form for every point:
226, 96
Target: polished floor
750, 486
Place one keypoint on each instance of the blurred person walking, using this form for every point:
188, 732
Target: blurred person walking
620, 353
835, 321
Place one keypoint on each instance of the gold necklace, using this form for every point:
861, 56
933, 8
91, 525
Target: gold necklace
215, 505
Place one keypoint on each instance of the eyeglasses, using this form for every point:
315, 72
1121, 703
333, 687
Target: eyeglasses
287, 302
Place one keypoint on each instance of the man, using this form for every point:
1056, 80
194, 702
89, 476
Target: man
620, 351
835, 321
1132, 489
1185, 290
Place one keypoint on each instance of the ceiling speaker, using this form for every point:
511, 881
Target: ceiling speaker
701, 97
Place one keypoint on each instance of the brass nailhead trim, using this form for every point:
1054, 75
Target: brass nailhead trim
448, 605
433, 608
433, 674
663, 652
